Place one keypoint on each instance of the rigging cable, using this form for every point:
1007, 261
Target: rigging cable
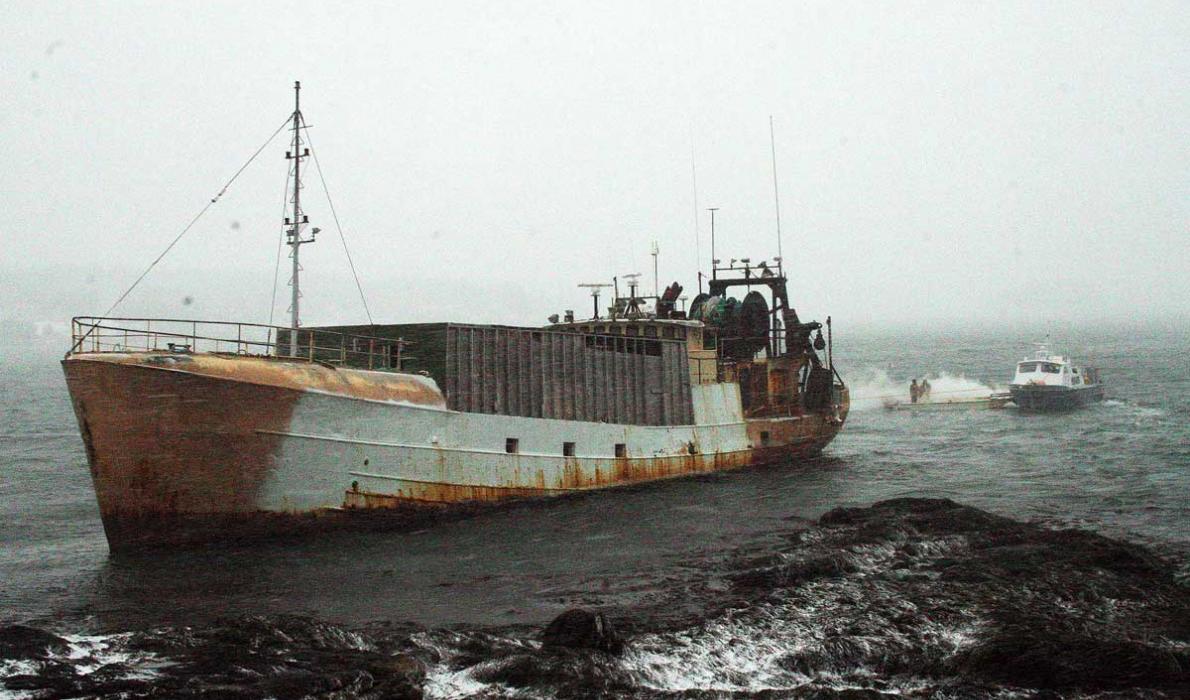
277, 265
694, 184
339, 227
280, 244
776, 193
198, 216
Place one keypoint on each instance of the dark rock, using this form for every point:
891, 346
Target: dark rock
1041, 658
581, 629
23, 642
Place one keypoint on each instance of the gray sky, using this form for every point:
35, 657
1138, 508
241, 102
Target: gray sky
977, 162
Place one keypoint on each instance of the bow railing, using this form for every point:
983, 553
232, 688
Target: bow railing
93, 335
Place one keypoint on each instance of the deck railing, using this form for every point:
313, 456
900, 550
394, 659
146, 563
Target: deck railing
93, 334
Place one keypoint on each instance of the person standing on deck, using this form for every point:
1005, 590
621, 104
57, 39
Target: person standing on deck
914, 391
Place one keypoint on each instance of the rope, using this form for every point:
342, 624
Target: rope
864, 397
194, 221
339, 227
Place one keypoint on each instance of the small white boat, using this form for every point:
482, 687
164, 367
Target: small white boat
1048, 382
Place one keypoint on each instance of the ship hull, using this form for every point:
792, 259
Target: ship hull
187, 449
1042, 398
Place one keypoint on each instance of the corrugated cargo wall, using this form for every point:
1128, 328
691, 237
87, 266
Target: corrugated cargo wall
544, 374
549, 374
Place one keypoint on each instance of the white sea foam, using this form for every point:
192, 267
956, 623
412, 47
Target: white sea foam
1135, 410
760, 649
441, 682
872, 387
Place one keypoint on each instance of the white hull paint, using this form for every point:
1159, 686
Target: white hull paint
411, 451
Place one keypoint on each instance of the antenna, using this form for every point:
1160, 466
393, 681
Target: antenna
654, 251
295, 222
595, 287
714, 262
632, 308
776, 194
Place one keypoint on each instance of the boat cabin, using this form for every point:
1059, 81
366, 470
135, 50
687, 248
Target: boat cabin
1052, 370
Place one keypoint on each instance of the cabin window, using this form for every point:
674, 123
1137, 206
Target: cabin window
667, 332
621, 450
764, 437
1051, 367
512, 445
650, 332
632, 330
681, 333
568, 449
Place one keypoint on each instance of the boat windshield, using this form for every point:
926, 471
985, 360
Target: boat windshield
1051, 367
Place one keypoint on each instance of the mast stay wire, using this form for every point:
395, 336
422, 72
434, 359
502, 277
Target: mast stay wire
338, 226
694, 185
198, 216
277, 265
776, 192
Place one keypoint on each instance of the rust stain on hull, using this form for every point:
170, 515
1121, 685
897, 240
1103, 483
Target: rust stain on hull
163, 444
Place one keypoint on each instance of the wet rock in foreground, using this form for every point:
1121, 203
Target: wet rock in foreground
24, 642
581, 629
1043, 609
908, 598
249, 657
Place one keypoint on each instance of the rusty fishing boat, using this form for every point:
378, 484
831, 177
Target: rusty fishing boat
200, 431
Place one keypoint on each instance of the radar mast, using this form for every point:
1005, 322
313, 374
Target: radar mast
296, 220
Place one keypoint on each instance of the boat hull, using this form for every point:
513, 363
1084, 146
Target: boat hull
197, 448
1042, 398
995, 402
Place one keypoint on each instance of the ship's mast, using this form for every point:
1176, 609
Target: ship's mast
297, 220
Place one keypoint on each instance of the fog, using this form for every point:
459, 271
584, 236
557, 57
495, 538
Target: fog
973, 163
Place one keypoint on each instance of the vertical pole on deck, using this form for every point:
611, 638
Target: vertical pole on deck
296, 221
714, 262
830, 345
